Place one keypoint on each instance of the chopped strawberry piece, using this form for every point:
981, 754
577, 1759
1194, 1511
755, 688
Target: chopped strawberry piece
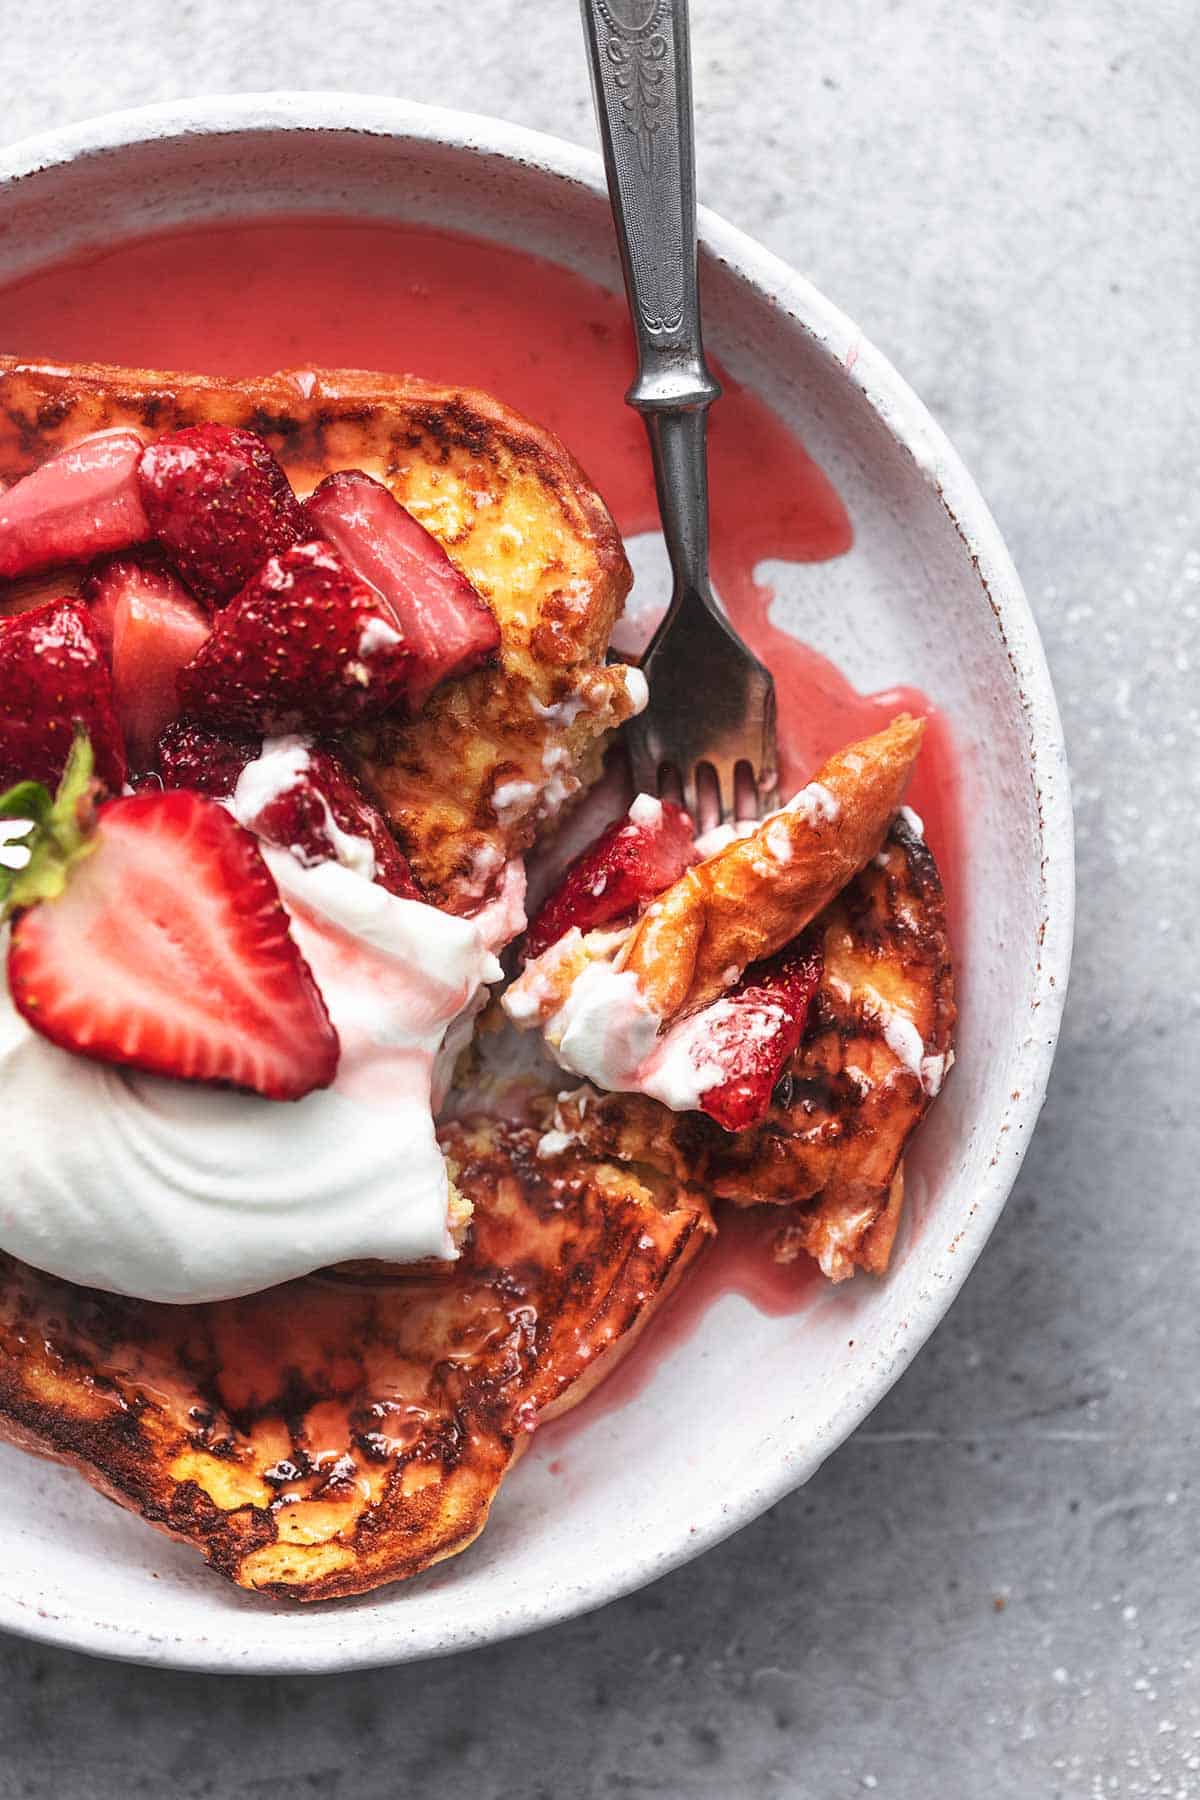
755, 1030
448, 627
631, 861
154, 628
325, 817
53, 680
170, 951
84, 502
305, 643
220, 505
191, 756
313, 817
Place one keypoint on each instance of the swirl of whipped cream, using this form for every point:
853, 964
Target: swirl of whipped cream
173, 1191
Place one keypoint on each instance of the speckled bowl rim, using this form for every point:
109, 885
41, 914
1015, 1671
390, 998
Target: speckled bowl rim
322, 1646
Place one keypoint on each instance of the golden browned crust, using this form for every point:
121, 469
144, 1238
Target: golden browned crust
758, 894
513, 509
830, 1149
336, 1433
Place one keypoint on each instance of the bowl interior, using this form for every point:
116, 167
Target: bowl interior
752, 1403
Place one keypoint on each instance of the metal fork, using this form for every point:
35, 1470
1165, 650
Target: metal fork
712, 703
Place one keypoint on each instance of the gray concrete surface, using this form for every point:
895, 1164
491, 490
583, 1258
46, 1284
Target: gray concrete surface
990, 1593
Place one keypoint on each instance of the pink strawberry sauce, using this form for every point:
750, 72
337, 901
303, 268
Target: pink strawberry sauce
243, 299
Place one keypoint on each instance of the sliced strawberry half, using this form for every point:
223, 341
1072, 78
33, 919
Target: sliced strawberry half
167, 949
154, 628
54, 680
219, 504
632, 861
305, 643
449, 629
84, 502
755, 1031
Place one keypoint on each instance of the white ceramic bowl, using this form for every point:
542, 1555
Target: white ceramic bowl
751, 1405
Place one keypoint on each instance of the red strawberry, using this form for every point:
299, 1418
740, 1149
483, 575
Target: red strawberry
326, 804
191, 756
324, 795
305, 643
634, 859
754, 1032
154, 627
169, 950
84, 502
445, 623
220, 505
54, 679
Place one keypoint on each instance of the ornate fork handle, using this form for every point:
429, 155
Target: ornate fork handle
641, 77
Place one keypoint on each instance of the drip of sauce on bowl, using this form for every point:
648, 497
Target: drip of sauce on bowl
242, 299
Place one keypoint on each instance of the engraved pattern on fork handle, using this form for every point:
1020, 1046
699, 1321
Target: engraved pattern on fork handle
638, 53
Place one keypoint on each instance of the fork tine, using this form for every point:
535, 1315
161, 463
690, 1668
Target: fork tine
644, 764
721, 786
766, 792
727, 789
745, 791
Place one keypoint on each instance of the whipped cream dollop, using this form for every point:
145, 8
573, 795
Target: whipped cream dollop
173, 1191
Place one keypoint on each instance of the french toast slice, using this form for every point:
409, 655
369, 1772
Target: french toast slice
872, 1057
491, 756
325, 1437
